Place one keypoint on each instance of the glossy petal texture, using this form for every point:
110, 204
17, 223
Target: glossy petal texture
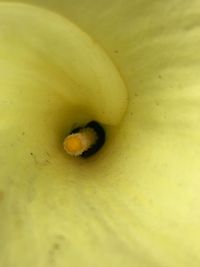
137, 202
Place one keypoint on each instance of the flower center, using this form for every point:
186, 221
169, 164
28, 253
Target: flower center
85, 141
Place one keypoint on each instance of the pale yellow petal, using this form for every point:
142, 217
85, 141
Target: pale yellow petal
137, 202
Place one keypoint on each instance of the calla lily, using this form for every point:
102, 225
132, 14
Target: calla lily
135, 202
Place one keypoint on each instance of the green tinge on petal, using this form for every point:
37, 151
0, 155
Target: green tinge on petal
137, 204
43, 53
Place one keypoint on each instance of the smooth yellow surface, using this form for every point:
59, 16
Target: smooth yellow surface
137, 202
51, 56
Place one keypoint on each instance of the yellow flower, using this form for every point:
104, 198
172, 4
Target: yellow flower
136, 202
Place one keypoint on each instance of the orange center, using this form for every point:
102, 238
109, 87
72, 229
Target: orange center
73, 144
